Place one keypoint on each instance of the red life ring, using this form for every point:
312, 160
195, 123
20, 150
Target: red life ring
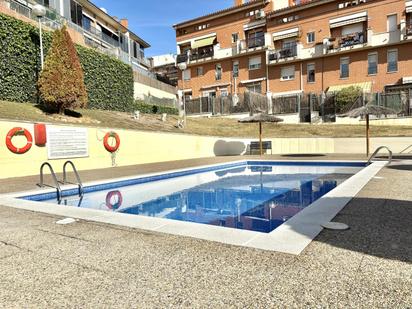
110, 195
108, 147
19, 131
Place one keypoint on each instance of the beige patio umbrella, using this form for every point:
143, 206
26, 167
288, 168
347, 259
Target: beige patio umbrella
365, 111
260, 118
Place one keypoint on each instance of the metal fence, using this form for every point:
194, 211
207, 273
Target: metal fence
248, 102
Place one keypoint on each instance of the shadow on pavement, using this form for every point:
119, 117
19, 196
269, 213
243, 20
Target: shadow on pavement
378, 227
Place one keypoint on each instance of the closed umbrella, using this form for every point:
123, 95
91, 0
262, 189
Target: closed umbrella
260, 118
365, 111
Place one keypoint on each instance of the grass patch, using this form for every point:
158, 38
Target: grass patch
200, 126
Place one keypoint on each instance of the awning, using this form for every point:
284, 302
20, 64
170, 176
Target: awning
254, 25
365, 86
221, 85
203, 42
250, 81
408, 6
348, 20
407, 80
287, 93
285, 34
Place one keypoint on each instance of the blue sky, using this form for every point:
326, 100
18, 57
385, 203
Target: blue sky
152, 20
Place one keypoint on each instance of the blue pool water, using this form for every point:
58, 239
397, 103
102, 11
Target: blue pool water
258, 196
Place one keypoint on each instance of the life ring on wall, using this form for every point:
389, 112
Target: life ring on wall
108, 147
116, 195
15, 132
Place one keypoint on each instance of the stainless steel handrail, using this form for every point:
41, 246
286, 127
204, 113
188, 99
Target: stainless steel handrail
56, 182
79, 182
376, 152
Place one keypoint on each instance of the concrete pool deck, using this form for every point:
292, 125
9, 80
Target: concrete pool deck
89, 264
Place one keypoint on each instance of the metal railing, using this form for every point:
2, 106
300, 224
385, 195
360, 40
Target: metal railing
348, 40
409, 29
377, 151
181, 58
201, 53
79, 182
56, 182
257, 41
291, 51
102, 36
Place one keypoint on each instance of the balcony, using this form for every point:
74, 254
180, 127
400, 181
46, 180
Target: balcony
347, 41
284, 53
201, 53
255, 42
182, 58
409, 29
102, 36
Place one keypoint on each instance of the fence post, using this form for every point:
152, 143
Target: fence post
200, 106
299, 107
410, 102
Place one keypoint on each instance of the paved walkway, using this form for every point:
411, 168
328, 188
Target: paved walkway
92, 265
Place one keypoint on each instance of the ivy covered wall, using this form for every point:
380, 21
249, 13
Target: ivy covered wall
109, 82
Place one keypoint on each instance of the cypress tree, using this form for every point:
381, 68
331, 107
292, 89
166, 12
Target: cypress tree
61, 83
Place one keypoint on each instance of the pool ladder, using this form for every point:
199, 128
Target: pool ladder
377, 151
56, 182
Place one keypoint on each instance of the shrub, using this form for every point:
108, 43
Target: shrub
347, 96
61, 83
155, 109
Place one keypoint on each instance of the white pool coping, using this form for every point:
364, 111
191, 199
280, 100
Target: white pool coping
291, 237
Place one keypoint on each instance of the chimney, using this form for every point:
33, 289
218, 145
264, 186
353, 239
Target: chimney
239, 2
124, 22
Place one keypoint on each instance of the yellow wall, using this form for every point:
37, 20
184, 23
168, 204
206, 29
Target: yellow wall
139, 147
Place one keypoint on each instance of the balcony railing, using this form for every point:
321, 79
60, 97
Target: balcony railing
255, 42
182, 58
202, 53
284, 53
409, 29
348, 40
102, 36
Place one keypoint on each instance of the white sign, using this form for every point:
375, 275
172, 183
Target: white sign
67, 142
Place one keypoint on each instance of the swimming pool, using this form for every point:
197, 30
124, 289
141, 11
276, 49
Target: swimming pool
270, 205
252, 195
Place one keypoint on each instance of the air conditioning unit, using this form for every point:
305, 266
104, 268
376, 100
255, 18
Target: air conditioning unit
407, 80
260, 14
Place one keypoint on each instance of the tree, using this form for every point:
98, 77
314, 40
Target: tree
61, 83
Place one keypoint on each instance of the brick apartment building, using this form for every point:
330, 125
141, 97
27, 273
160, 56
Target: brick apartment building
276, 47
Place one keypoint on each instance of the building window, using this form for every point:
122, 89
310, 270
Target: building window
218, 72
255, 87
392, 60
344, 67
255, 63
235, 37
236, 69
392, 23
199, 71
76, 13
310, 37
311, 73
186, 74
287, 73
372, 64
87, 23
223, 93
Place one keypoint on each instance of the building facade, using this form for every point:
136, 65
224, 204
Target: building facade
89, 26
282, 47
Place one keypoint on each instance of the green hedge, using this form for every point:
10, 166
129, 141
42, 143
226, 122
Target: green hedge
20, 59
109, 82
155, 109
